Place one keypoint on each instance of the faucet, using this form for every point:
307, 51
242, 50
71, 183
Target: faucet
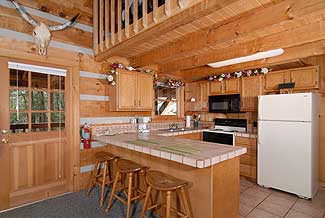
173, 126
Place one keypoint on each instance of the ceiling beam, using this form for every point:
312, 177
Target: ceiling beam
201, 9
258, 23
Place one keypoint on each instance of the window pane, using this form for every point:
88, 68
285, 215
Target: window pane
18, 122
57, 82
39, 122
22, 99
166, 108
164, 93
57, 120
18, 78
39, 80
39, 100
57, 101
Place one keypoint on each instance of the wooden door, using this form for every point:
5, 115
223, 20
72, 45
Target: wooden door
306, 78
216, 88
251, 88
204, 91
232, 86
145, 92
272, 80
127, 90
34, 152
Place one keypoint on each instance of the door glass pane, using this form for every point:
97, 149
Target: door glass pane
39, 80
57, 101
39, 100
22, 99
165, 93
18, 122
18, 78
57, 121
166, 108
39, 122
57, 82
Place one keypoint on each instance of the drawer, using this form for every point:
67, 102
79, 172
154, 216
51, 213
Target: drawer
248, 171
245, 141
251, 150
248, 160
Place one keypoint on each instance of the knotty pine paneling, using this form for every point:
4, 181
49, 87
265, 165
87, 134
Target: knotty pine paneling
93, 86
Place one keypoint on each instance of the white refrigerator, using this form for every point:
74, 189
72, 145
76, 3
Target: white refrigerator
288, 143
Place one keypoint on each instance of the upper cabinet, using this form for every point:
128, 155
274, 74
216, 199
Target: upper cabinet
304, 79
251, 88
227, 86
197, 96
133, 92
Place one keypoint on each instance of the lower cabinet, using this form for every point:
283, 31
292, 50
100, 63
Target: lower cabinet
248, 161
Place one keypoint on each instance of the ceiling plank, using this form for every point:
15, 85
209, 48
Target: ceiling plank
201, 9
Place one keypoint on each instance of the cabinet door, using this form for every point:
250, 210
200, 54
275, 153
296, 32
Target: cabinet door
216, 88
204, 89
127, 90
145, 92
307, 78
251, 88
232, 86
272, 80
192, 90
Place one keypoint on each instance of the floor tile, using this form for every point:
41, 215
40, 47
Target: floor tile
257, 213
312, 208
245, 209
297, 214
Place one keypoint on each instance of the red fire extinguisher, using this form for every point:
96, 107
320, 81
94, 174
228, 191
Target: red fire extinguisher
85, 136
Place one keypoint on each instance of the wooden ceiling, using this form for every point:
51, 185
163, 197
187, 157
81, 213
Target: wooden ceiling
64, 8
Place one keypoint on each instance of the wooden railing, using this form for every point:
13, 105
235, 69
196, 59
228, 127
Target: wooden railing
113, 24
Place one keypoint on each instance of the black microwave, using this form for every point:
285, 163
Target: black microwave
224, 104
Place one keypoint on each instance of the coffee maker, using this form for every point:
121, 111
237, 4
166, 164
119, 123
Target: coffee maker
143, 124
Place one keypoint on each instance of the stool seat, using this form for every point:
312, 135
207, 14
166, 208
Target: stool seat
164, 182
104, 156
127, 166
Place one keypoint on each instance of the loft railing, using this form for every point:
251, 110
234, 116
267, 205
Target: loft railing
118, 20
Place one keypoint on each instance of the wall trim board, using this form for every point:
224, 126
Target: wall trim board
92, 75
104, 120
94, 97
48, 16
25, 37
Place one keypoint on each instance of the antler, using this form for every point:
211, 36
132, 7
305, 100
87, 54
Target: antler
24, 13
64, 25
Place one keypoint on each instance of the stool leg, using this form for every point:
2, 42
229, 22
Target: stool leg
185, 203
113, 191
168, 204
93, 176
148, 194
129, 194
103, 184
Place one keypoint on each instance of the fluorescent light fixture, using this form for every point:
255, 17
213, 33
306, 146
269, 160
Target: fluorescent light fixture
254, 57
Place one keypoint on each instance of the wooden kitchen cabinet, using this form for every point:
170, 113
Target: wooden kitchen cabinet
304, 78
227, 86
133, 92
199, 91
251, 88
248, 161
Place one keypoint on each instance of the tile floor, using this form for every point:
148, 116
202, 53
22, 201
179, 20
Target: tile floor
257, 202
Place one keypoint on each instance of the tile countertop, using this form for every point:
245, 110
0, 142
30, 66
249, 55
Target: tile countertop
194, 153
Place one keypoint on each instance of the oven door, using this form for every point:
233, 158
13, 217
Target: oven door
219, 137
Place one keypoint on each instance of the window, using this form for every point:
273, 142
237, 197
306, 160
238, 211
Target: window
37, 99
166, 102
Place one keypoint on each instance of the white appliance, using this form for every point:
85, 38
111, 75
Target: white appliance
288, 143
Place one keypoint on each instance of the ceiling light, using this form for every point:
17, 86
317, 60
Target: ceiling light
254, 57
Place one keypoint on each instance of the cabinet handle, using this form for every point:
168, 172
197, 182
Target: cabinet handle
139, 102
135, 102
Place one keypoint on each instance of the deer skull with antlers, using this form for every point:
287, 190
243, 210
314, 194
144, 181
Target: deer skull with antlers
42, 32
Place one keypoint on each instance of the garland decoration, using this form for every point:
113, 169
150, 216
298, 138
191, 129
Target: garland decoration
112, 72
167, 82
239, 74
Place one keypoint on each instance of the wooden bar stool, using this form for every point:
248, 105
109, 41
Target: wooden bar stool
99, 177
165, 184
133, 171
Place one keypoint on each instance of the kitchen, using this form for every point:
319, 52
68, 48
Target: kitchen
171, 98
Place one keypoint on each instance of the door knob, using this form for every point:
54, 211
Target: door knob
4, 131
4, 141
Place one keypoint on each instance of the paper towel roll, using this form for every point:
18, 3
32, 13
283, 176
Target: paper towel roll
188, 121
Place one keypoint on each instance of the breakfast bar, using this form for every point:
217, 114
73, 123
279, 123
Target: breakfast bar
211, 169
